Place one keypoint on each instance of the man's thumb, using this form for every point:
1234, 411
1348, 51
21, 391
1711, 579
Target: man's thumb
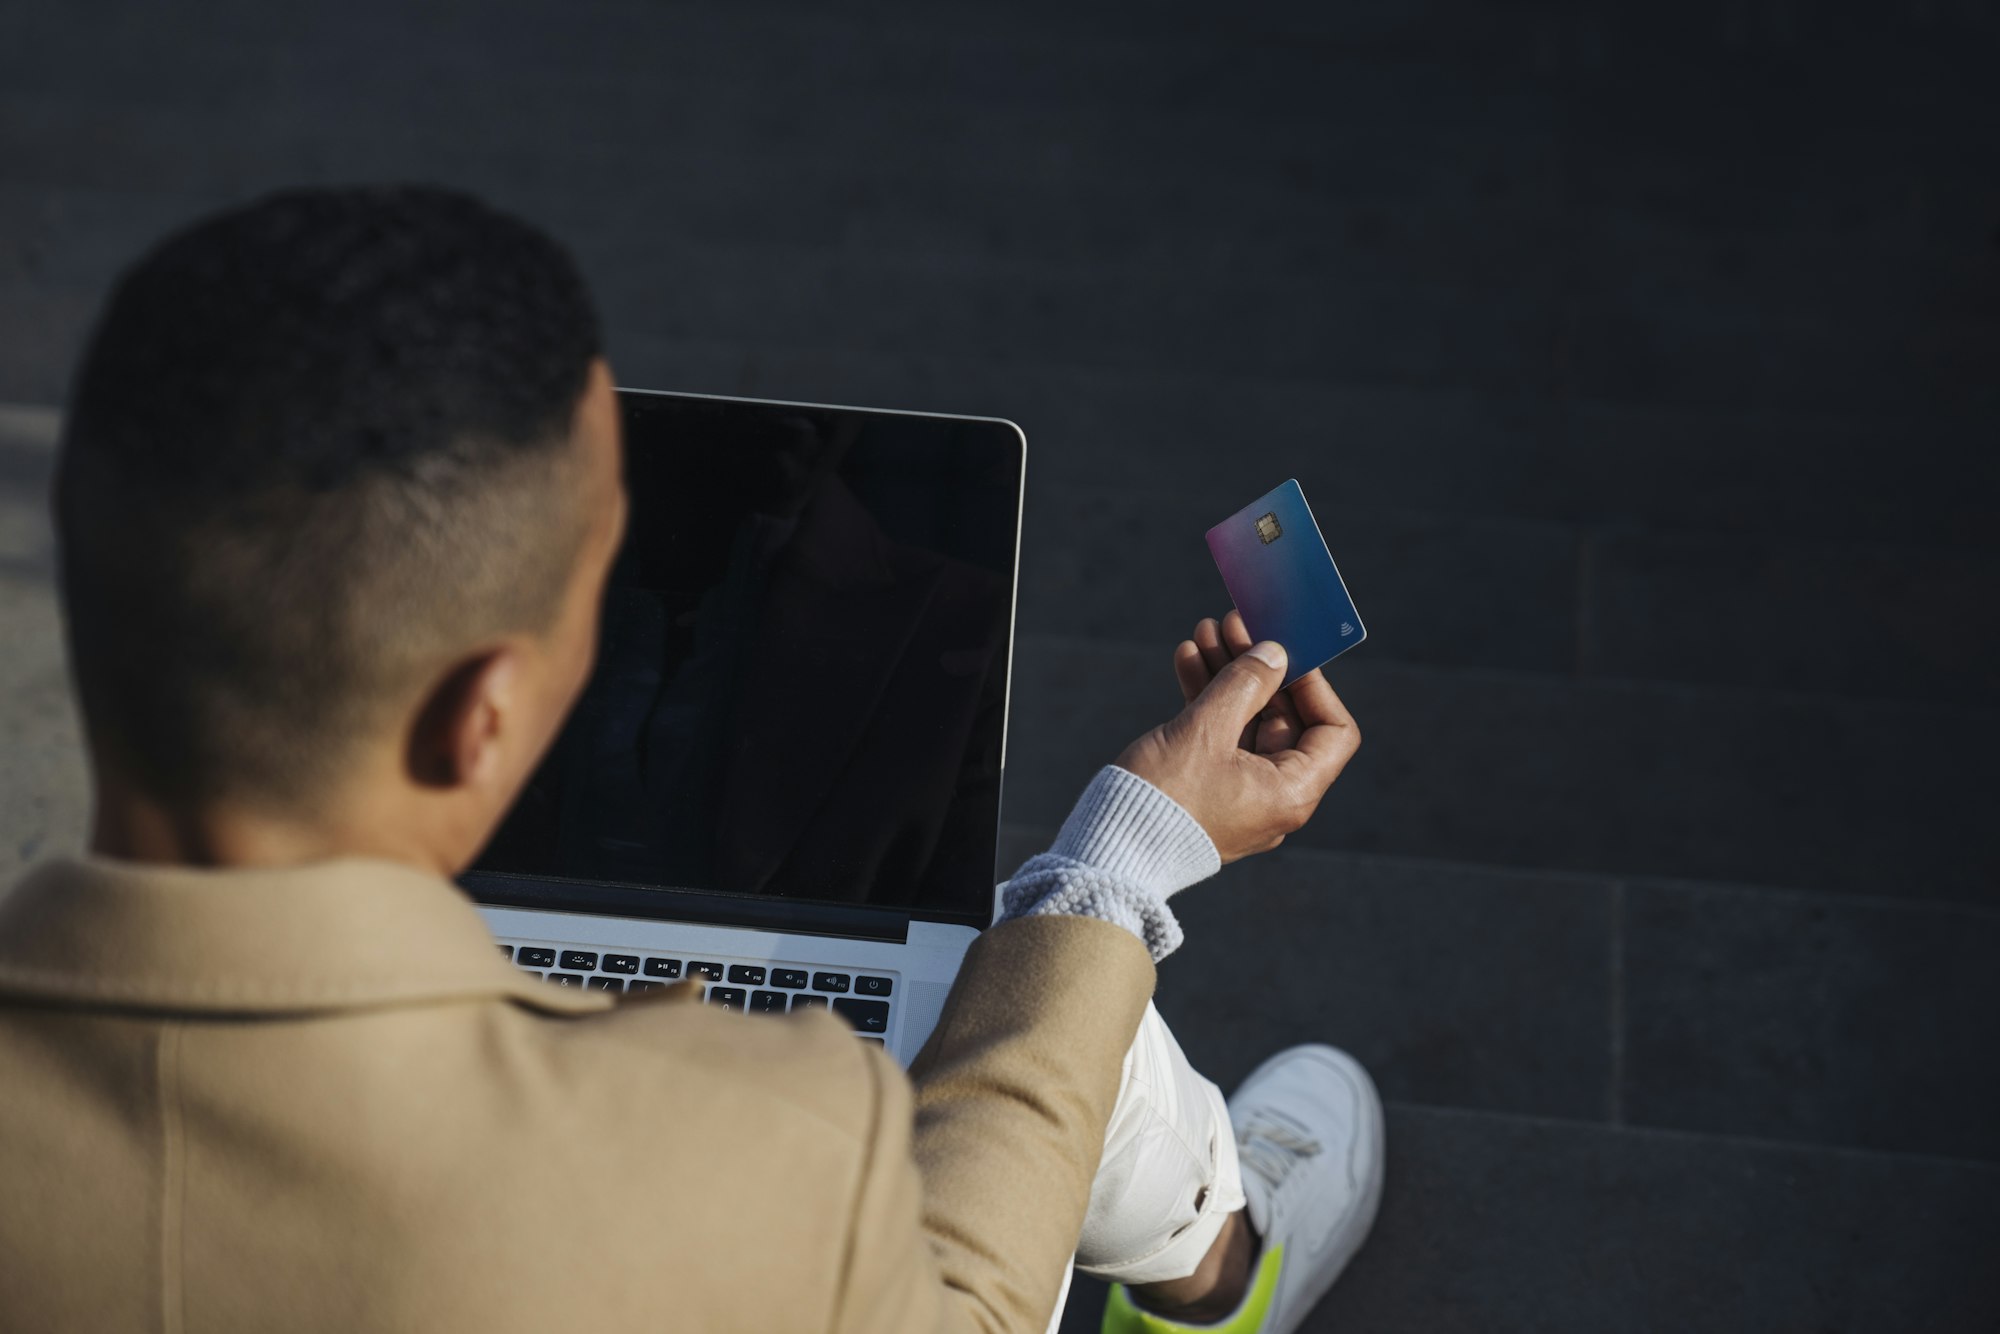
1240, 691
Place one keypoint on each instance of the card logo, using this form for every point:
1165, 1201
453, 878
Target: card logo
1268, 530
1346, 629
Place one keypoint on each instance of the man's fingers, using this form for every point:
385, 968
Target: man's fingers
1190, 670
1241, 690
1321, 753
1208, 639
1315, 701
1275, 734
1236, 639
1215, 655
1279, 723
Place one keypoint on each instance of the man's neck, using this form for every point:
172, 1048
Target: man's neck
132, 826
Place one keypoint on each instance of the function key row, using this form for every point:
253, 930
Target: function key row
585, 961
795, 979
862, 985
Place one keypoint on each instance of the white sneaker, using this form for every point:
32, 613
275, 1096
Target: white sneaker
1309, 1136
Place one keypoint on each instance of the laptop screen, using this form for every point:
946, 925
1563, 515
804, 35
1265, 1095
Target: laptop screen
801, 681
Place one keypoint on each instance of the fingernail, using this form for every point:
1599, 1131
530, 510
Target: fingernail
1270, 652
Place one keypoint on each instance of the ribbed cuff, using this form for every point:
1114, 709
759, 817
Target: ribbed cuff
1126, 847
1124, 826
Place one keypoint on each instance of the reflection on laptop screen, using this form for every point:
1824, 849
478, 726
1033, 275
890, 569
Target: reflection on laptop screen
801, 678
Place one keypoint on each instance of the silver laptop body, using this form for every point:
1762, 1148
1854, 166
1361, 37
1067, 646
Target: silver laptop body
784, 776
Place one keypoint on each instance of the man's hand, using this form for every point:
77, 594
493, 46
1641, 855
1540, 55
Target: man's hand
1246, 759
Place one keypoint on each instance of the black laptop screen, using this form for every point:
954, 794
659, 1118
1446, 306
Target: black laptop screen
801, 677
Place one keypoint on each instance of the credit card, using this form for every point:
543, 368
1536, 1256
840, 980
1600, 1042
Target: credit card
1282, 578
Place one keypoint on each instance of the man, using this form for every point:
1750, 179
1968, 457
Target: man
337, 498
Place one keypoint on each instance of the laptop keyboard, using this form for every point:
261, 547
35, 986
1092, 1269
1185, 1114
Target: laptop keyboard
863, 999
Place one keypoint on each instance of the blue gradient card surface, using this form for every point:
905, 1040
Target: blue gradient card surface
1283, 580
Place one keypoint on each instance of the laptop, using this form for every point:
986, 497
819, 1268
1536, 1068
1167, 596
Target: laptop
783, 778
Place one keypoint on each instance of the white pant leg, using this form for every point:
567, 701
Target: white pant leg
1169, 1178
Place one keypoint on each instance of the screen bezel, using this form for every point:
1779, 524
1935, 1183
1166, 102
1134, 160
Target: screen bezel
506, 889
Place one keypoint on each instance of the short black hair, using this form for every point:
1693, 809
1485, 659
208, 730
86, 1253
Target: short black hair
317, 445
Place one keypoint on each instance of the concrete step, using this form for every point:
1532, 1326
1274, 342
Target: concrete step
1503, 229
1832, 1020
1366, 324
1496, 1222
1859, 619
1456, 986
1358, 321
1485, 227
1858, 1022
1793, 791
1515, 454
688, 73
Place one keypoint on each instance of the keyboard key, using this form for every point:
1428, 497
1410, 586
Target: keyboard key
581, 960
663, 968
506, 951
629, 963
867, 1016
532, 973
788, 977
872, 986
729, 998
808, 1003
747, 975
711, 971
632, 988
829, 981
880, 1042
566, 979
607, 984
767, 1002
534, 956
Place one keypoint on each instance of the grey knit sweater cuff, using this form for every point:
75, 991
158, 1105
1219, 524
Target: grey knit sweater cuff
1125, 849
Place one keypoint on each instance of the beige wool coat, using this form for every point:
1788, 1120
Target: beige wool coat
318, 1099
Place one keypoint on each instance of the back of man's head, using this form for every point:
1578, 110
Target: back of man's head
319, 446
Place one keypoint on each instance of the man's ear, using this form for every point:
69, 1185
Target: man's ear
465, 726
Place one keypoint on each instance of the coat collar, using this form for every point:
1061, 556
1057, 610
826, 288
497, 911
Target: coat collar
334, 935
